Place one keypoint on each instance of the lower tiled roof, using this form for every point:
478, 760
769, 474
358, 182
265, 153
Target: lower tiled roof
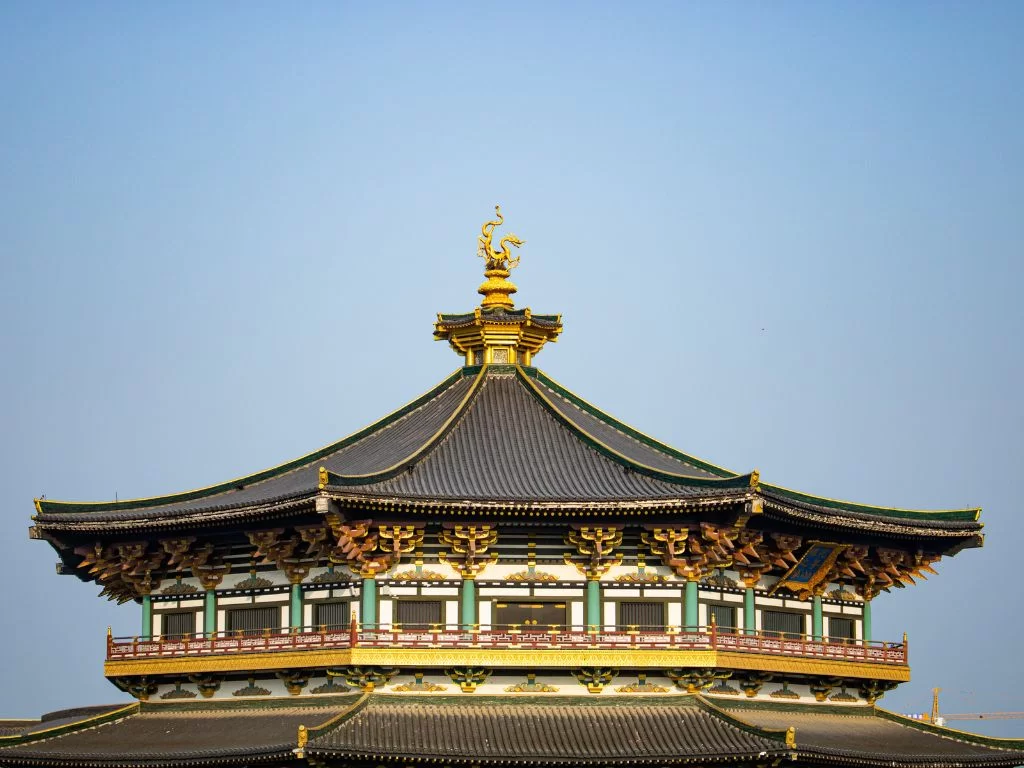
866, 736
542, 731
536, 730
187, 735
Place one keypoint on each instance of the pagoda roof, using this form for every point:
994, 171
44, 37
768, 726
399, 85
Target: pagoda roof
495, 730
496, 439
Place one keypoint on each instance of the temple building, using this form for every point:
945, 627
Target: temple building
499, 573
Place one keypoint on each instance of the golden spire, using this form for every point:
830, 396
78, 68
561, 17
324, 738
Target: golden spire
496, 333
498, 265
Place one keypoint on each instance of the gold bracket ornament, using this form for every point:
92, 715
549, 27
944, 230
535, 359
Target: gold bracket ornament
469, 545
365, 678
692, 553
692, 680
468, 678
284, 552
595, 678
294, 680
125, 571
595, 549
369, 552
207, 685
497, 288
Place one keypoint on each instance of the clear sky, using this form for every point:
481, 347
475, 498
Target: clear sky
786, 236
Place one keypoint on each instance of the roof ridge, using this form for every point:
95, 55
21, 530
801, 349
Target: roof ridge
431, 442
997, 742
631, 431
609, 452
47, 505
104, 718
776, 734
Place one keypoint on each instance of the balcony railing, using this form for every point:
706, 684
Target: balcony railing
517, 637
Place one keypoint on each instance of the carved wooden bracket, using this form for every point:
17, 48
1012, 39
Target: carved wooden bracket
595, 549
469, 545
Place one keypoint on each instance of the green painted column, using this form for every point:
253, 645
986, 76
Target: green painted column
690, 607
147, 617
594, 619
295, 607
817, 620
867, 620
468, 603
369, 602
749, 615
210, 612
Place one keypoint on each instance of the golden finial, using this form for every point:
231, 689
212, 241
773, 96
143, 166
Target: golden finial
302, 738
498, 264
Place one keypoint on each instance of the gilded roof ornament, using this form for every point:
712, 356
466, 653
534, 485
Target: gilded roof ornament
498, 264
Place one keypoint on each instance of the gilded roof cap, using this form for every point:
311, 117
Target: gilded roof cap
496, 332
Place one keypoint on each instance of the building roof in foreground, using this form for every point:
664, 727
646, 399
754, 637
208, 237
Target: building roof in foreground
488, 730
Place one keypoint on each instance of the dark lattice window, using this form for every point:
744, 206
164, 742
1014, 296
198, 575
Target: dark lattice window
724, 616
782, 623
641, 615
179, 624
253, 621
331, 615
840, 629
418, 614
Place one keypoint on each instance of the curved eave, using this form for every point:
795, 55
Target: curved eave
48, 506
787, 495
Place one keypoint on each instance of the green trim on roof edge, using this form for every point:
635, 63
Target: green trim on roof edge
636, 434
951, 733
397, 469
735, 481
59, 730
46, 505
909, 514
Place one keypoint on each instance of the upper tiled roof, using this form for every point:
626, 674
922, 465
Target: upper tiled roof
496, 436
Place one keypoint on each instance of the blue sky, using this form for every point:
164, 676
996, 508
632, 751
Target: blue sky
785, 236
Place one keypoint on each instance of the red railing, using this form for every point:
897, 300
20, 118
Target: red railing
512, 636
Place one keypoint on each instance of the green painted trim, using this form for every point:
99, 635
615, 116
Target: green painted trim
295, 607
690, 606
376, 477
368, 603
817, 618
468, 604
969, 515
951, 733
45, 506
636, 434
209, 612
773, 705
776, 734
866, 619
735, 481
749, 612
87, 722
594, 619
147, 617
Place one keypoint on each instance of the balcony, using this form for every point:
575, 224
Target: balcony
508, 646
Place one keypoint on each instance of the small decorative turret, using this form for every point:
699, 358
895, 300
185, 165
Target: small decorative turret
496, 332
